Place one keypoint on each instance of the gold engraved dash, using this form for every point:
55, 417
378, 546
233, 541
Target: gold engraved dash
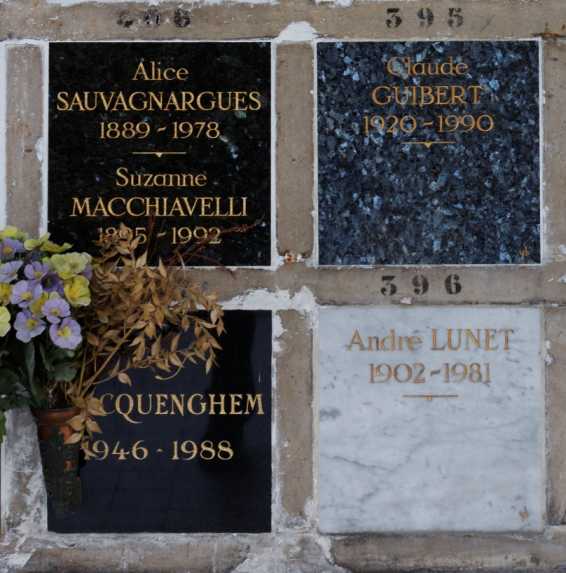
427, 144
430, 397
159, 154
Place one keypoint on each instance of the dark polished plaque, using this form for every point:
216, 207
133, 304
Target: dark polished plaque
428, 153
172, 139
190, 454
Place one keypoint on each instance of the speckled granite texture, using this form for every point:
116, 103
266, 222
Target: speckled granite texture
472, 200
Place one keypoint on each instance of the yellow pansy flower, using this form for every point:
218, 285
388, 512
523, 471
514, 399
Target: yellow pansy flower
77, 291
51, 247
45, 245
69, 265
13, 233
37, 304
5, 293
32, 244
4, 321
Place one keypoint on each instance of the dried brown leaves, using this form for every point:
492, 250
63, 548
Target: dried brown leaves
142, 317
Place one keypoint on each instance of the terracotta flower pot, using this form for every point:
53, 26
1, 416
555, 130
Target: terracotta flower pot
60, 461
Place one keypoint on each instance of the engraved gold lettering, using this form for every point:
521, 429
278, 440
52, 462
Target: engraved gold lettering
213, 402
356, 339
254, 403
161, 406
124, 405
191, 408
156, 73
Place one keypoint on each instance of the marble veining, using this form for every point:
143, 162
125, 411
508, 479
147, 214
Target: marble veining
391, 462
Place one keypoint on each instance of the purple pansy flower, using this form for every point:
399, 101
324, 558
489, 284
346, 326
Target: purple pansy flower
9, 271
9, 248
55, 309
28, 326
52, 283
67, 334
36, 271
25, 292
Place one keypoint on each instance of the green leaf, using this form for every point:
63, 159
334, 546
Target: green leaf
29, 355
12, 393
64, 372
8, 380
37, 392
46, 358
2, 426
59, 355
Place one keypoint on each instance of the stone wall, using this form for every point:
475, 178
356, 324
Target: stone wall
294, 288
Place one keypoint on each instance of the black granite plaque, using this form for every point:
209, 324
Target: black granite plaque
191, 454
172, 139
428, 153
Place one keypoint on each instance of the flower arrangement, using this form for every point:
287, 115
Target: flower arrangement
70, 322
43, 288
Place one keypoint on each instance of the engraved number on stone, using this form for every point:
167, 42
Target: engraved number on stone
125, 20
453, 284
466, 123
475, 373
455, 17
152, 17
140, 232
188, 450
101, 449
186, 129
182, 18
139, 453
184, 235
420, 282
394, 20
390, 124
426, 17
126, 130
121, 453
389, 288
402, 373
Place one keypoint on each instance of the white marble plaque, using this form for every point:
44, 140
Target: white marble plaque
431, 419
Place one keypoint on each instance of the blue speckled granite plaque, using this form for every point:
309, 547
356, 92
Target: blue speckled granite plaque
428, 153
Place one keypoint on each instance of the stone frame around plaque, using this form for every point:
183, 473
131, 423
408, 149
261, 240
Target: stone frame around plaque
271, 250
374, 262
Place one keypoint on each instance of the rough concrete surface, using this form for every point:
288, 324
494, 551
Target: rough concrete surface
199, 558
25, 129
295, 151
366, 553
294, 417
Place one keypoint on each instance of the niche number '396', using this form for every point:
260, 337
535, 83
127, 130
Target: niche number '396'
419, 285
